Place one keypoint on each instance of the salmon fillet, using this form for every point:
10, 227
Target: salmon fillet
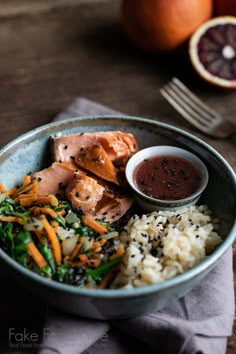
84, 192
93, 195
96, 160
54, 179
118, 145
129, 140
84, 167
112, 207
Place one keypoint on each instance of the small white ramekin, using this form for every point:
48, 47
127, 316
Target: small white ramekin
148, 203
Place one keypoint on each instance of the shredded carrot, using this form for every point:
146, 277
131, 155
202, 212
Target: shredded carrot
103, 241
10, 191
26, 180
53, 239
108, 277
120, 251
61, 213
29, 199
83, 257
22, 189
44, 210
94, 225
2, 188
96, 244
49, 199
35, 187
27, 195
36, 255
35, 210
10, 219
76, 249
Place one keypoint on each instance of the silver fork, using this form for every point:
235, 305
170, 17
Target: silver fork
195, 111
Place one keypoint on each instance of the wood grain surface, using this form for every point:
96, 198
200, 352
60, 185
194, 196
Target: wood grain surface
51, 54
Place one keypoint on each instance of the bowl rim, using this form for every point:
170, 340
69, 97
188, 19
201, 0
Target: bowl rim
121, 293
129, 172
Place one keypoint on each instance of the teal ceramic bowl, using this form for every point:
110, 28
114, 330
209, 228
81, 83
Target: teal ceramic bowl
31, 152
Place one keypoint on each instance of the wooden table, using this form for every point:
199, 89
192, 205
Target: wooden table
53, 51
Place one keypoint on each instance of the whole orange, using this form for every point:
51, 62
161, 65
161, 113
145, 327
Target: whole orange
162, 25
225, 7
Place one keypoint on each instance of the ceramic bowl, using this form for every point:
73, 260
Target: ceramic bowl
148, 203
31, 152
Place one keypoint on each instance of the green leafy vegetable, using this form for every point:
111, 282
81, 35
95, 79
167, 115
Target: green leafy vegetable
48, 256
99, 272
61, 273
60, 221
9, 207
46, 271
21, 251
6, 238
23, 237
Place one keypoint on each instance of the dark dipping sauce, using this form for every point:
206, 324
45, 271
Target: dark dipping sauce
167, 177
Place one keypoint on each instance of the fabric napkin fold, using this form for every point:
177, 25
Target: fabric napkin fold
200, 322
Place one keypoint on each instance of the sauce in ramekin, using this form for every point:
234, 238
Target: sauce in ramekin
167, 177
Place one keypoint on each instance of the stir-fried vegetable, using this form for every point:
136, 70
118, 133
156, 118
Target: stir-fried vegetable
55, 240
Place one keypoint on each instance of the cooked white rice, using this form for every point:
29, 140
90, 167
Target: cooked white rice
164, 244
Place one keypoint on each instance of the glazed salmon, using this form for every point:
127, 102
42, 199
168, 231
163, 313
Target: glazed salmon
112, 206
93, 195
114, 203
84, 192
96, 160
54, 179
129, 140
118, 145
85, 166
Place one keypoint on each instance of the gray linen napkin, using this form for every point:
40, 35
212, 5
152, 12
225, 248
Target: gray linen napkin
198, 323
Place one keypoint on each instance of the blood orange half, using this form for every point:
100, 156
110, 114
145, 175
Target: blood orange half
212, 50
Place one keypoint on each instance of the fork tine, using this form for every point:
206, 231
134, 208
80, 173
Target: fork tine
194, 98
203, 115
198, 114
180, 109
193, 114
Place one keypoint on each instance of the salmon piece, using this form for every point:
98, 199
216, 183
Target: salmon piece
95, 196
118, 145
84, 192
54, 179
112, 207
130, 142
96, 160
114, 203
70, 164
